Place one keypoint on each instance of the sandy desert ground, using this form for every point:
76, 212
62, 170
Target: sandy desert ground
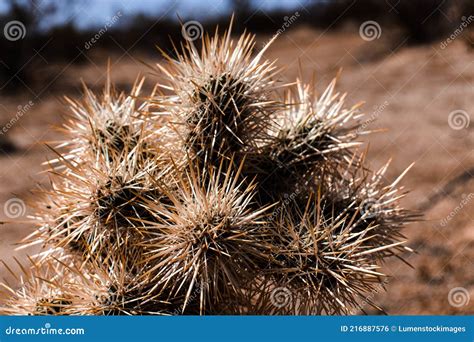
410, 90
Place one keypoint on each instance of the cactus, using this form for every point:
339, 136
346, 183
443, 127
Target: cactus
226, 195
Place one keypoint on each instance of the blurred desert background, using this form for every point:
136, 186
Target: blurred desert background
416, 76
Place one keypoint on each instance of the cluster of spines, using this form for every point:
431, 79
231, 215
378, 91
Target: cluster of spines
207, 200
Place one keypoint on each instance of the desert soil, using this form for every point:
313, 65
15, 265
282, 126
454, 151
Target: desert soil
409, 90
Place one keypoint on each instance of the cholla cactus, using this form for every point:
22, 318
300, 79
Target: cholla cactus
225, 197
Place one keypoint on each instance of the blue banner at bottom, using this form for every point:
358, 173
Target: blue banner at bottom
238, 328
